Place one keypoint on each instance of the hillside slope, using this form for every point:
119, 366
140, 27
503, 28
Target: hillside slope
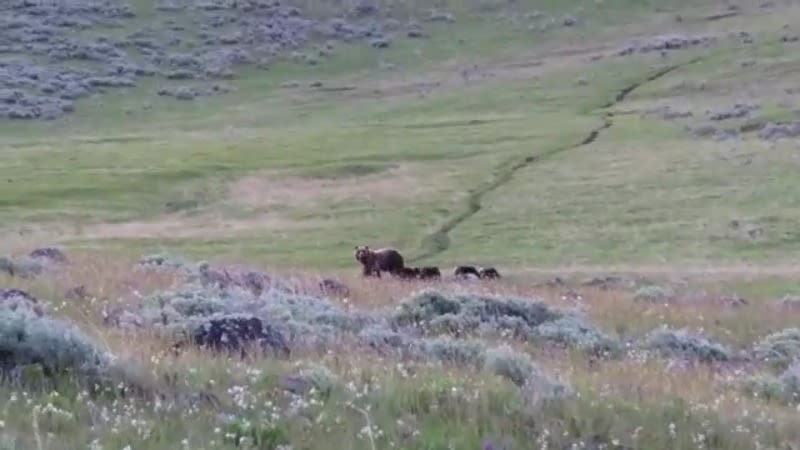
526, 134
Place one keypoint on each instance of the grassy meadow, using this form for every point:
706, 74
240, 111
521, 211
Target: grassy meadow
506, 138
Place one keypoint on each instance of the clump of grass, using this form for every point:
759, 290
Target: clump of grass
383, 339
653, 294
317, 377
243, 433
163, 260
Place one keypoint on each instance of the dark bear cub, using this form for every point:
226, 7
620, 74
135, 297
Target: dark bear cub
466, 272
380, 260
489, 273
429, 273
408, 273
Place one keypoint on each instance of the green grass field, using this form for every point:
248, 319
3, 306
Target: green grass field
537, 150
412, 146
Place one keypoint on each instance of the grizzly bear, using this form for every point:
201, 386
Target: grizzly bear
466, 272
489, 273
429, 272
383, 259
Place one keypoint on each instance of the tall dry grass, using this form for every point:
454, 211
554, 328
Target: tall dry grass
645, 394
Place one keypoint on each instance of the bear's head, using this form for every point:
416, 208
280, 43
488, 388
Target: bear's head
362, 253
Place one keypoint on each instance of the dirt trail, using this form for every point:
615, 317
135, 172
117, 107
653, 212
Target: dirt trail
439, 241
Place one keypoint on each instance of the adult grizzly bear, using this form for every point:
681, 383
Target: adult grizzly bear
383, 259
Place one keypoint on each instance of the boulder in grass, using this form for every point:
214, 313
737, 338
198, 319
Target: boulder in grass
19, 300
234, 333
50, 254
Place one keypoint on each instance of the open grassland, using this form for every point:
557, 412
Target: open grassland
638, 199
474, 156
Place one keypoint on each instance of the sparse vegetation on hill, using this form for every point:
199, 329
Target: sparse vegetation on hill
184, 184
451, 364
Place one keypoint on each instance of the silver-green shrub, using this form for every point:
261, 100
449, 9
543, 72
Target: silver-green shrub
685, 344
576, 332
19, 300
302, 319
508, 363
451, 351
435, 313
780, 348
163, 260
784, 388
22, 267
27, 338
653, 294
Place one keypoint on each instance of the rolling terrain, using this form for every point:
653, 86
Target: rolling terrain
628, 167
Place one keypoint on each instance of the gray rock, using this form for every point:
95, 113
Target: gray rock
364, 8
775, 131
50, 254
665, 43
738, 111
441, 17
380, 42
111, 81
181, 75
185, 93
668, 113
233, 333
19, 300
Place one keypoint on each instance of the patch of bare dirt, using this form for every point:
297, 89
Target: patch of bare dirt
265, 190
171, 227
460, 74
707, 273
193, 227
271, 194
547, 59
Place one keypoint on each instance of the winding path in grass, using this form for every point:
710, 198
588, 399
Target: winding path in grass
439, 241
